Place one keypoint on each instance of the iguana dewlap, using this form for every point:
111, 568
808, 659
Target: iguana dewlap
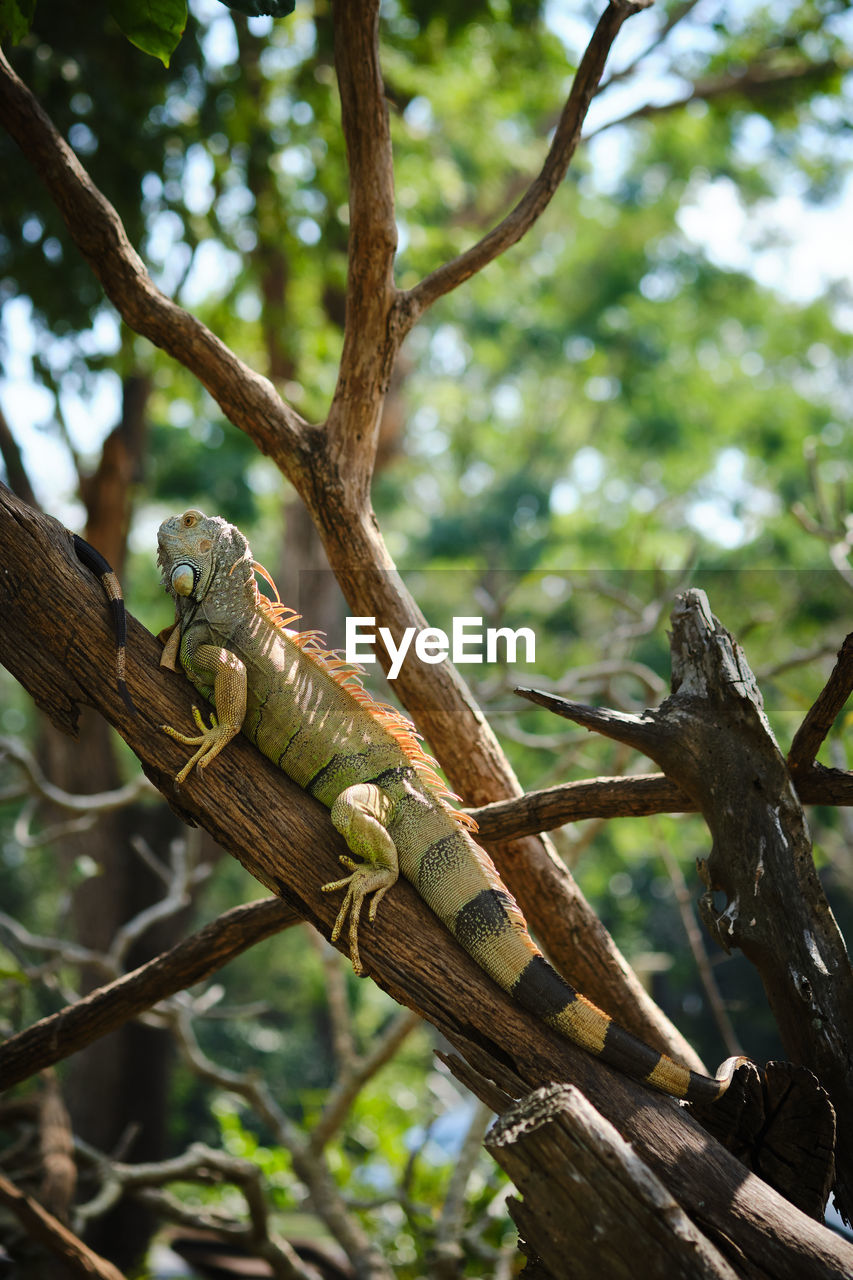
307, 711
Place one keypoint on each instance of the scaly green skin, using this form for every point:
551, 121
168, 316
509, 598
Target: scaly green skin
263, 683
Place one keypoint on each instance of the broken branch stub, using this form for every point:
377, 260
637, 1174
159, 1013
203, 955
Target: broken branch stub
711, 736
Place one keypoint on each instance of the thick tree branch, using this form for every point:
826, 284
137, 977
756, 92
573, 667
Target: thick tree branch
368, 356
249, 400
103, 1010
712, 738
636, 796
414, 302
620, 797
551, 1142
63, 656
336, 495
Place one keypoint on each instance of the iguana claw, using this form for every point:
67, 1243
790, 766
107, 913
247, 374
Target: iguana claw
210, 742
364, 879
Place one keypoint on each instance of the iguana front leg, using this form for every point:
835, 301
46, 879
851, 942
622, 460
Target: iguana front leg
360, 813
227, 674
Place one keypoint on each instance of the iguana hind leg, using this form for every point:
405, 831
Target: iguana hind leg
359, 813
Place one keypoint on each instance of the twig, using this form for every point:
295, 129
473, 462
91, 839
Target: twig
100, 802
206, 1164
696, 943
182, 878
100, 236
355, 1075
101, 1011
752, 83
676, 15
309, 1165
412, 304
69, 952
42, 1226
822, 714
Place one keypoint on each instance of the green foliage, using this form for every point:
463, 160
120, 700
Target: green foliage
154, 26
603, 417
15, 19
274, 8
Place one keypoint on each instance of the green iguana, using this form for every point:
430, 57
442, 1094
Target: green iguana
306, 709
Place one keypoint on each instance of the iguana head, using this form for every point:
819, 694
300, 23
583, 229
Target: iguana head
194, 548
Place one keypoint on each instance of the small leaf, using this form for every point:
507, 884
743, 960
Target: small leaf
154, 26
16, 17
262, 8
14, 975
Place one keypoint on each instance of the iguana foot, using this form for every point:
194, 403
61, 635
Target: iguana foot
209, 742
364, 879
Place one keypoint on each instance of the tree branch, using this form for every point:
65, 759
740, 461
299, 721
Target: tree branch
634, 796
822, 715
354, 1075
103, 1010
711, 736
63, 657
207, 1164
249, 400
755, 82
621, 797
96, 803
309, 1165
411, 304
677, 14
367, 358
42, 1226
551, 1142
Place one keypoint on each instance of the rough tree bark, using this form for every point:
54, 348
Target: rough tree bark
712, 738
331, 467
407, 952
120, 1085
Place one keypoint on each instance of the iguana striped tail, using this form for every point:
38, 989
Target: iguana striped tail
459, 881
306, 709
105, 574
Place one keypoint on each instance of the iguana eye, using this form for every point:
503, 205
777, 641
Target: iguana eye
189, 520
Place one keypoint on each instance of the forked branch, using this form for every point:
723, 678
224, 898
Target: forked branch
535, 200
